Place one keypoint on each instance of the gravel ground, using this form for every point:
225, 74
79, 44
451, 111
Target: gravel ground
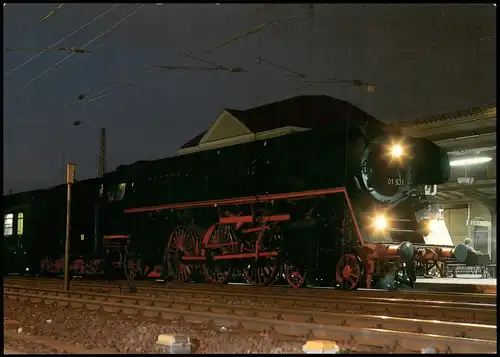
90, 329
28, 347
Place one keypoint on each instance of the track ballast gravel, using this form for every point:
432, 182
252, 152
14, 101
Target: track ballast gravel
127, 334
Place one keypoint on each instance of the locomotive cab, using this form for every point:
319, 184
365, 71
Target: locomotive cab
111, 222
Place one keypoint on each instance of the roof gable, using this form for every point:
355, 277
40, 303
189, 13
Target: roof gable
225, 126
194, 141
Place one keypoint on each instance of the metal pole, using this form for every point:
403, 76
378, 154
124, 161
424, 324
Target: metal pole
102, 153
101, 172
493, 237
70, 177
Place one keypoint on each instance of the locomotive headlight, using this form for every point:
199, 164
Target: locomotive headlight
380, 222
396, 151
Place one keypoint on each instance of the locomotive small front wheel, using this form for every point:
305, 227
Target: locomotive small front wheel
130, 268
44, 266
295, 275
349, 272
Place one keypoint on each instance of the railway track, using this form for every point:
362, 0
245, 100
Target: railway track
390, 333
204, 288
420, 306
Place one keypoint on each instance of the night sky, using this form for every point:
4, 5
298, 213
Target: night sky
423, 59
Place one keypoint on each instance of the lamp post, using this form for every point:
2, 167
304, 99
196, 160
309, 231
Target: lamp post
70, 179
102, 171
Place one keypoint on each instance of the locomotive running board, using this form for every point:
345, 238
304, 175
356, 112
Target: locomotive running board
254, 199
238, 200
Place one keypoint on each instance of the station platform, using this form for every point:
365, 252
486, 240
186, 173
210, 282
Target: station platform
460, 284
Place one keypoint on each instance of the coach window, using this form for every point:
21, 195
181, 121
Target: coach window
20, 222
120, 192
8, 222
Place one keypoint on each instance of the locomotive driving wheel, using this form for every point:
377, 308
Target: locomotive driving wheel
349, 272
218, 272
181, 243
264, 270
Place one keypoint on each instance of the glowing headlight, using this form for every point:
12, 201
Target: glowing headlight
433, 225
380, 222
396, 151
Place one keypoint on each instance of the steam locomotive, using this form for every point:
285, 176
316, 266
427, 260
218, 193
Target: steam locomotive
350, 204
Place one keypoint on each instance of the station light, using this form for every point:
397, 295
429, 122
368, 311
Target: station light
380, 222
475, 160
433, 225
396, 151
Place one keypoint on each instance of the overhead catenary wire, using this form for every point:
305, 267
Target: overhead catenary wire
101, 96
88, 43
260, 59
216, 66
309, 83
256, 29
355, 82
62, 39
185, 68
371, 87
52, 12
59, 49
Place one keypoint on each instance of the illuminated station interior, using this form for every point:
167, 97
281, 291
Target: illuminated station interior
468, 200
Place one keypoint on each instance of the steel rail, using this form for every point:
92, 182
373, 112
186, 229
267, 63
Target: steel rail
366, 330
486, 313
204, 288
478, 300
228, 294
